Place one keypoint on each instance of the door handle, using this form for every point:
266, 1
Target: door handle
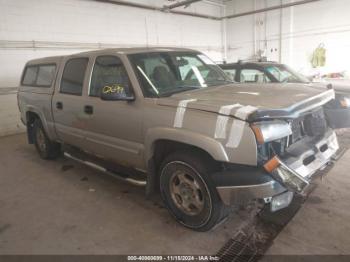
89, 110
59, 105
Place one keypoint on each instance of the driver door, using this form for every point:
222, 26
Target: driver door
114, 129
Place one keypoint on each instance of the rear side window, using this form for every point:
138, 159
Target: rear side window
45, 75
253, 76
73, 76
39, 75
231, 73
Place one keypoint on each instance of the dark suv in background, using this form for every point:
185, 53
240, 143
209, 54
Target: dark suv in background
262, 72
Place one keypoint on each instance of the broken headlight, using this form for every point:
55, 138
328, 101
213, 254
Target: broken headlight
286, 176
268, 131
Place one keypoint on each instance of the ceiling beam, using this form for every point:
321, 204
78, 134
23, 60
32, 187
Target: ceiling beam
178, 4
156, 8
170, 8
270, 8
130, 4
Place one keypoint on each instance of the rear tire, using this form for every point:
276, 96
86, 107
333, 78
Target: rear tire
188, 192
45, 147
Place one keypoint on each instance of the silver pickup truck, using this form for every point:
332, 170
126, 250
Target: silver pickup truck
170, 119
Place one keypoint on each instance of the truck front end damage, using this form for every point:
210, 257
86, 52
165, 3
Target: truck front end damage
295, 169
293, 145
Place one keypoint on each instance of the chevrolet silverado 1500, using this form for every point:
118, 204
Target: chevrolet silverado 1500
170, 119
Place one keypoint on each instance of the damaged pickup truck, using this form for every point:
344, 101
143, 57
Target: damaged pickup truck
170, 119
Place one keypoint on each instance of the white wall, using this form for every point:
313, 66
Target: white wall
304, 27
38, 28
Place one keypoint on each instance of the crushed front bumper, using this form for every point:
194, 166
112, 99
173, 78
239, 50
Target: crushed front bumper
240, 195
292, 173
309, 161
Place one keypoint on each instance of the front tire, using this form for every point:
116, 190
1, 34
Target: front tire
45, 147
188, 191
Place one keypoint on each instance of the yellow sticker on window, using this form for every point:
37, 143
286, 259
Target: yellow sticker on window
115, 88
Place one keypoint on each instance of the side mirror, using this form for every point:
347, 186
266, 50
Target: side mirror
116, 93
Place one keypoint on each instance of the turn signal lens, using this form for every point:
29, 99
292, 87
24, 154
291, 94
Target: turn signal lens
258, 134
272, 164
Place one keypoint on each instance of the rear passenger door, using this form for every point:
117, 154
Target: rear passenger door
68, 105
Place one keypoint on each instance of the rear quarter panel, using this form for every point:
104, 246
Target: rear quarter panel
38, 100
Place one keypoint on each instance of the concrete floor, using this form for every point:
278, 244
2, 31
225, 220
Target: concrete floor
62, 207
48, 207
322, 225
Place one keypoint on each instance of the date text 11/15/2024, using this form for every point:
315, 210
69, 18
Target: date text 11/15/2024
172, 258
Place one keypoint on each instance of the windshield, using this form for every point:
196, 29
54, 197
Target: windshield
283, 73
166, 73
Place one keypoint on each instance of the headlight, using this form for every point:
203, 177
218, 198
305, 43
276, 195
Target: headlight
286, 176
281, 201
345, 102
268, 131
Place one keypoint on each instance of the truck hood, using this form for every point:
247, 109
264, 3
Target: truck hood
267, 101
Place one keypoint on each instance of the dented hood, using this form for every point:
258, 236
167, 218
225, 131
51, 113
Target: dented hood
270, 100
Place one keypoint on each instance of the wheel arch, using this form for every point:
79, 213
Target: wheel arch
207, 144
161, 142
31, 115
30, 119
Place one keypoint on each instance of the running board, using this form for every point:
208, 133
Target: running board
104, 170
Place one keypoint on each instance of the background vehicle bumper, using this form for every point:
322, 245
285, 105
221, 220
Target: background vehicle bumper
338, 117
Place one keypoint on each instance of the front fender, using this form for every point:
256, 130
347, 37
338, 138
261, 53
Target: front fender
208, 144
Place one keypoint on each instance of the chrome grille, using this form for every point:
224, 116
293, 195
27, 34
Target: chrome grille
297, 129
